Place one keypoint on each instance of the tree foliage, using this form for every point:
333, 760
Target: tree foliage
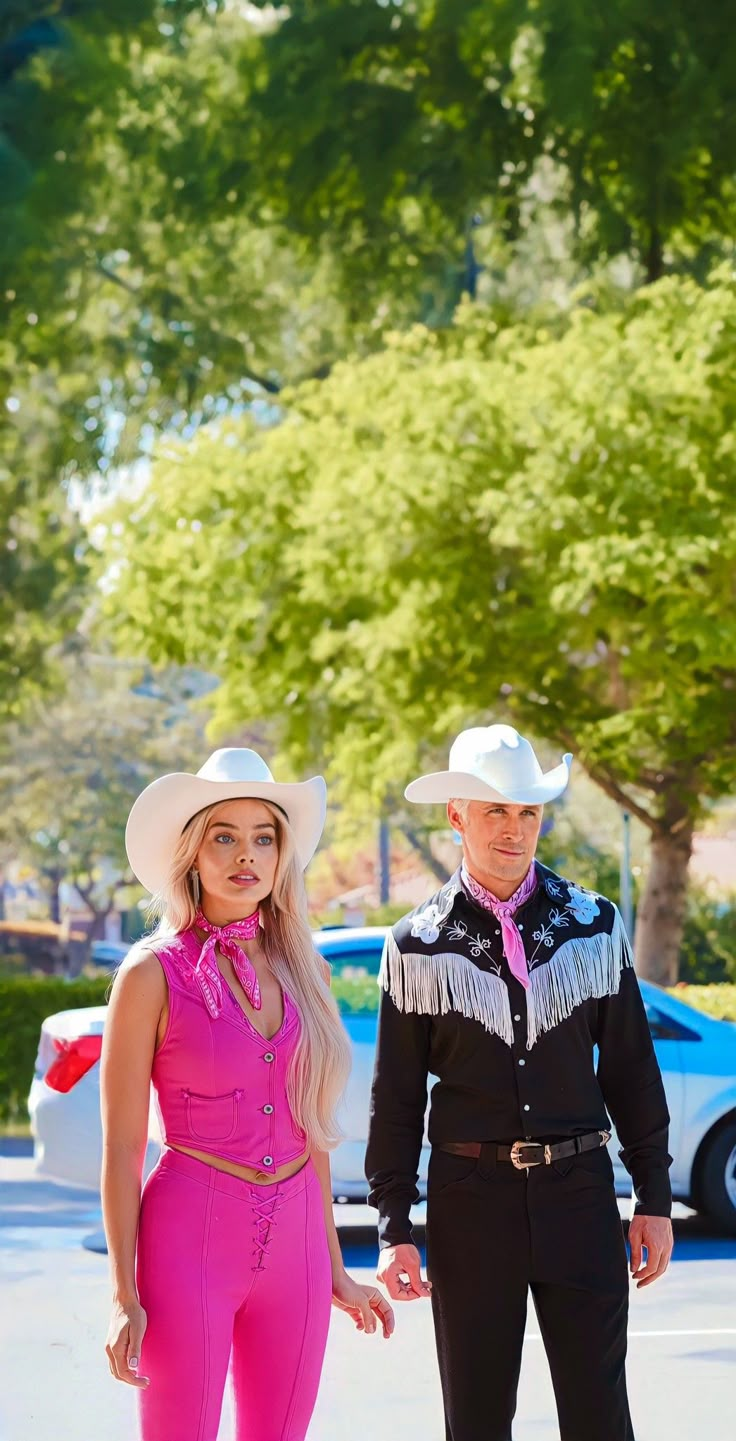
197, 206
71, 771
381, 119
507, 519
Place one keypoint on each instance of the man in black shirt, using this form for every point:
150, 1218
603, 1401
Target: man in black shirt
502, 985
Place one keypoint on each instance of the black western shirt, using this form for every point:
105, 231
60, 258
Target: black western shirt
511, 1063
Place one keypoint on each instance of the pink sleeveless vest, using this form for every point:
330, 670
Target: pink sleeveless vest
220, 1086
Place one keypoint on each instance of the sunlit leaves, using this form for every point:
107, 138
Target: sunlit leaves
437, 534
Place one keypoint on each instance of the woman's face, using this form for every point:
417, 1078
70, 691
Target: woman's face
236, 860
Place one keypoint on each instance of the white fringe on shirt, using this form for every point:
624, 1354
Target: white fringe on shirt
434, 985
582, 969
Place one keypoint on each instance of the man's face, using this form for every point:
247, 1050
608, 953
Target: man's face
499, 841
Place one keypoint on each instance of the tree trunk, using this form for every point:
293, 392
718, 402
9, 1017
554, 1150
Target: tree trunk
654, 257
54, 879
661, 912
424, 850
99, 913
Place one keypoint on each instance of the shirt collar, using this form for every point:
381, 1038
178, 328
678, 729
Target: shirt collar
489, 901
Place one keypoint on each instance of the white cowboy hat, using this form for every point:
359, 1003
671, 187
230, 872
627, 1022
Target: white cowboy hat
162, 810
492, 763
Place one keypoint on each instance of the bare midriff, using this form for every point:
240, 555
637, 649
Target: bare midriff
246, 1173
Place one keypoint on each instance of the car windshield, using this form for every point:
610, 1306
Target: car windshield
354, 975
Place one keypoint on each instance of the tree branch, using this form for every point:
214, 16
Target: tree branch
271, 387
613, 789
423, 849
116, 279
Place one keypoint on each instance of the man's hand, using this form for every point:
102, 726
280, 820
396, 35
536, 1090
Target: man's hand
400, 1271
652, 1234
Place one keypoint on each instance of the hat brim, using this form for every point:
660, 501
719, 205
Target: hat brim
163, 809
442, 786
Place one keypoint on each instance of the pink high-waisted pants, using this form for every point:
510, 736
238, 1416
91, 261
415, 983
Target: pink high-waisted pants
230, 1274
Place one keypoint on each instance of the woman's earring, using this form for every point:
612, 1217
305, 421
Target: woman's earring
195, 886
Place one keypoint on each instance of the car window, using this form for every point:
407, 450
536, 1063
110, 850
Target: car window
355, 963
663, 1028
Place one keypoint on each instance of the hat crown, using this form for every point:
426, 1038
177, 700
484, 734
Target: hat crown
233, 765
498, 755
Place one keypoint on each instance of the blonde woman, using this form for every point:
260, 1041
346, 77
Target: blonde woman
229, 1256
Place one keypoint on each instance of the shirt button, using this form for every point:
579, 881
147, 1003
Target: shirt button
269, 1056
498, 932
520, 928
268, 1110
526, 1108
517, 1018
267, 1161
522, 1063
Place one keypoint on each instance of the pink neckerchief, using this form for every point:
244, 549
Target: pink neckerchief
206, 969
513, 946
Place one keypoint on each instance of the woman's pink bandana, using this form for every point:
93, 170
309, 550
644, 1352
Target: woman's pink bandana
513, 946
206, 970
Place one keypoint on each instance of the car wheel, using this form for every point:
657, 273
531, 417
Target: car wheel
718, 1178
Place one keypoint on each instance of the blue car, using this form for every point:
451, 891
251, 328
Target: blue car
697, 1056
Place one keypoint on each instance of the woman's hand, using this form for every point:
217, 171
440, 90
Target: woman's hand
123, 1346
363, 1303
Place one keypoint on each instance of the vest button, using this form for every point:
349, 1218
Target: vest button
268, 1110
269, 1056
267, 1161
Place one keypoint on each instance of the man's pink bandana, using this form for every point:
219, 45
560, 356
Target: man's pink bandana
513, 946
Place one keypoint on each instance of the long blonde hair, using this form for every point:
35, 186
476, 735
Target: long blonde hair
320, 1065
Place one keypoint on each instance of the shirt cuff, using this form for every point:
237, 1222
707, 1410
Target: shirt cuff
653, 1195
395, 1229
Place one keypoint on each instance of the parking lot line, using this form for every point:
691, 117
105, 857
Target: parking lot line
709, 1331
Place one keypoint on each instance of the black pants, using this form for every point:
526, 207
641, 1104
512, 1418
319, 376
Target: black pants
493, 1234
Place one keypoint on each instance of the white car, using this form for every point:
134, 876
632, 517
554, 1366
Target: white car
696, 1053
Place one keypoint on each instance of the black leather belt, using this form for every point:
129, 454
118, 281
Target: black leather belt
524, 1154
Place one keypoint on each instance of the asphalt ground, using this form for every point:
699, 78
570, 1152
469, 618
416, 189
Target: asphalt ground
55, 1384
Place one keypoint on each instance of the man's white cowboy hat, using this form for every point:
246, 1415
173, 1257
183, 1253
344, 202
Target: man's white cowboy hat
162, 810
492, 763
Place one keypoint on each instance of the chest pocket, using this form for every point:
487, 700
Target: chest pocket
212, 1118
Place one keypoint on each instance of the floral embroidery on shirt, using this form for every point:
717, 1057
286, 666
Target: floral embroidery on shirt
425, 926
583, 905
458, 931
545, 934
552, 887
478, 945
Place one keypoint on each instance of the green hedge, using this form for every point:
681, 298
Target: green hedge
25, 1001
717, 1000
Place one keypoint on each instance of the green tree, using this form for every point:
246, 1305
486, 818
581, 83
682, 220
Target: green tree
71, 771
42, 552
198, 207
506, 521
137, 293
393, 123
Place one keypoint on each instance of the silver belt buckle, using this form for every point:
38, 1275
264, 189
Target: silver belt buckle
520, 1146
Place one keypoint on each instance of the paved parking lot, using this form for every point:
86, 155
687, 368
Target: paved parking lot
55, 1386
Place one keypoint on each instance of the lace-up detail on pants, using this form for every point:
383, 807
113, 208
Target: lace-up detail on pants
265, 1211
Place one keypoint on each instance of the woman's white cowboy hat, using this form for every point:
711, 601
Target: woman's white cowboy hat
492, 763
162, 810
